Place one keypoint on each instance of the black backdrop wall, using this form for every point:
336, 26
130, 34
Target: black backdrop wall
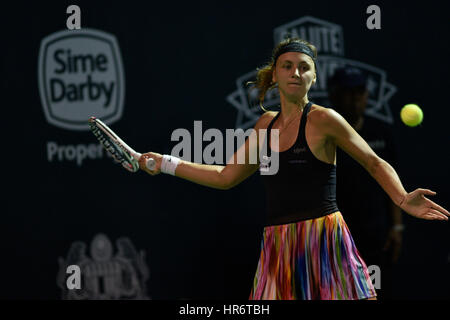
182, 64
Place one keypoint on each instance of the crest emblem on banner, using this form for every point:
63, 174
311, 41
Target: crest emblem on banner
105, 276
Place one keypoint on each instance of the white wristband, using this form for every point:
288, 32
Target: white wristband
169, 164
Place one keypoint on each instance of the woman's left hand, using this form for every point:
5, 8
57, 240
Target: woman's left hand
416, 204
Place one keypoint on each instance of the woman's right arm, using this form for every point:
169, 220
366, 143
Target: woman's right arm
217, 176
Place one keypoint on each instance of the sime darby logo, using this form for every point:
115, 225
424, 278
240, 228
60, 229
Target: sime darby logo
329, 41
80, 74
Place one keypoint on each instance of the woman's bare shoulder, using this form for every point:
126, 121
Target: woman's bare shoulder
319, 113
315, 108
264, 120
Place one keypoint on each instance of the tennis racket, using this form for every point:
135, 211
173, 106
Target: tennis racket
118, 149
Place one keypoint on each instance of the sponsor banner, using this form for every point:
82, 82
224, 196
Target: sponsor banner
80, 74
329, 41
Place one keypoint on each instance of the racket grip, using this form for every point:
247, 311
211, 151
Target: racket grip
150, 163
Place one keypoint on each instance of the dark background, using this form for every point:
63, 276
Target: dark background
181, 61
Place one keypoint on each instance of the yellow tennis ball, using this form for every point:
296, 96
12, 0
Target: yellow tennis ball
411, 115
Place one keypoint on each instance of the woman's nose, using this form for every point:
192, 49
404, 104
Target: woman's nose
296, 73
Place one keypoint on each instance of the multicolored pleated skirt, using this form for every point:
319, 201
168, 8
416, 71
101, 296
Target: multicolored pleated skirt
313, 259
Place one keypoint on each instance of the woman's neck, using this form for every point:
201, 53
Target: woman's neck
290, 109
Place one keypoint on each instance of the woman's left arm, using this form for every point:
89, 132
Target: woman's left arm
344, 136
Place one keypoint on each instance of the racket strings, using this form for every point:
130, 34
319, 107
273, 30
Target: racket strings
116, 150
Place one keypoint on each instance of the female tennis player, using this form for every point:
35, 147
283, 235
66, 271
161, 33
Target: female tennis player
307, 251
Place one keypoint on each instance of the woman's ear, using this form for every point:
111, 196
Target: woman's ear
274, 77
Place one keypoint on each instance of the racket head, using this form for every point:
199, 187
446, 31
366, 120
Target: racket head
112, 144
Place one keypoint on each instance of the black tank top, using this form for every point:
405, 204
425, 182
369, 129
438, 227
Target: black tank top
304, 187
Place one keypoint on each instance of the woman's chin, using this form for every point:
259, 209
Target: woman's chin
295, 96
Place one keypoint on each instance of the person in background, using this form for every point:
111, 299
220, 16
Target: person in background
375, 221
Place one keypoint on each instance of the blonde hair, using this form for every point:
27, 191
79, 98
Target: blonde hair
264, 76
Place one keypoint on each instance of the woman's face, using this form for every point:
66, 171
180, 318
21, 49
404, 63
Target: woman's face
295, 73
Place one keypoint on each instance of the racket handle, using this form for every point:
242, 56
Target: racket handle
150, 163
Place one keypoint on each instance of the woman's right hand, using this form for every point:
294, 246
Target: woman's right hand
416, 204
155, 156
